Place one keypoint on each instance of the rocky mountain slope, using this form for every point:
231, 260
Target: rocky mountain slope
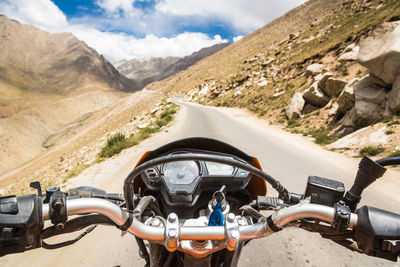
49, 83
143, 68
319, 70
145, 71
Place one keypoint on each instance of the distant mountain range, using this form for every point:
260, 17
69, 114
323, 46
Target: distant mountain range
148, 70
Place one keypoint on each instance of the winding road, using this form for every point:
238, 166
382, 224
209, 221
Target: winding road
289, 158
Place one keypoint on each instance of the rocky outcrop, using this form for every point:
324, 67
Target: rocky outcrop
376, 95
380, 52
315, 96
296, 104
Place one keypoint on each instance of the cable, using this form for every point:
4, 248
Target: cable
69, 242
389, 161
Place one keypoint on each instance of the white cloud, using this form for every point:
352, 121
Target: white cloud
243, 15
117, 46
114, 46
237, 38
42, 13
113, 7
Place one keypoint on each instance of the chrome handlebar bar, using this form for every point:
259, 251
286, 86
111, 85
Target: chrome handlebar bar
230, 230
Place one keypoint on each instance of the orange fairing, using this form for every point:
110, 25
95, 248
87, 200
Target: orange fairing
142, 158
139, 182
257, 186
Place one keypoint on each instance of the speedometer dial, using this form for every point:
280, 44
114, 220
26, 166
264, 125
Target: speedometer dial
181, 172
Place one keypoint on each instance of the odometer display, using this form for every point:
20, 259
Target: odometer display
181, 172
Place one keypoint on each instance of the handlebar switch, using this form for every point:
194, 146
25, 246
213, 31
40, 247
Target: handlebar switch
20, 223
378, 233
58, 209
341, 218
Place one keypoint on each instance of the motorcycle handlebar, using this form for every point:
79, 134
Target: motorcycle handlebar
277, 220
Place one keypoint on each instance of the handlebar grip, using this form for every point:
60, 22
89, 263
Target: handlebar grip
378, 232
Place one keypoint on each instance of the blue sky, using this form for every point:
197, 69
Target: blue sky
125, 29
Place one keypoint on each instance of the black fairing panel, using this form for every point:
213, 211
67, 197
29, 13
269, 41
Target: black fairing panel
198, 143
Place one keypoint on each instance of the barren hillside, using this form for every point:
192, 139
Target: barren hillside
48, 84
301, 71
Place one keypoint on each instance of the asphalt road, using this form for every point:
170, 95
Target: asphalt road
291, 159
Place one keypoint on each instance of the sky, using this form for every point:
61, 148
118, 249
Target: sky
126, 29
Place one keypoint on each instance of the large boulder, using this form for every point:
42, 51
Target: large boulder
315, 96
314, 69
295, 106
370, 102
346, 98
394, 96
333, 86
380, 52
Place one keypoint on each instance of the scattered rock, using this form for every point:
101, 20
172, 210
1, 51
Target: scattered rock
267, 62
314, 69
380, 52
294, 36
394, 96
238, 91
279, 93
346, 99
143, 125
154, 110
321, 79
262, 82
351, 55
333, 86
315, 96
295, 106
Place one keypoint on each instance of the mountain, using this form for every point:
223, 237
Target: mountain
48, 83
303, 72
37, 61
146, 71
142, 68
